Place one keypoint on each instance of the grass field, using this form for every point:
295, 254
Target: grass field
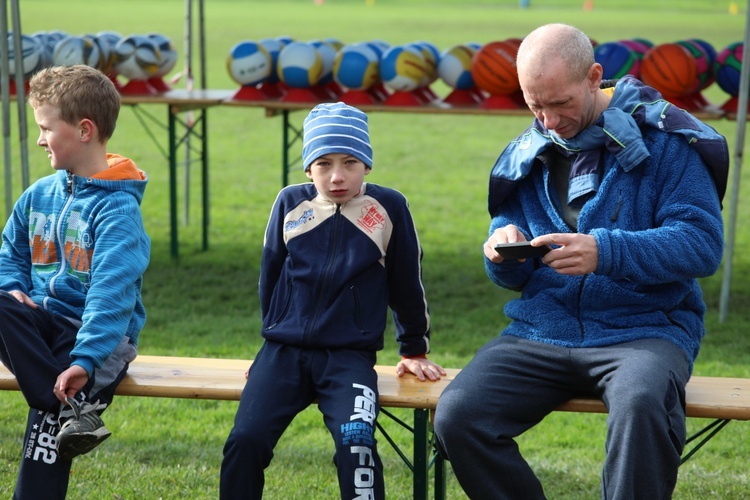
206, 304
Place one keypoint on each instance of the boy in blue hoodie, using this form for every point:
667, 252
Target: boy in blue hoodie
624, 188
71, 263
338, 252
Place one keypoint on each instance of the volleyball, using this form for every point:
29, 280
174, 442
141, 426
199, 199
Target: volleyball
494, 68
73, 50
31, 54
300, 65
249, 63
168, 53
356, 67
273, 47
327, 55
137, 57
431, 55
454, 67
403, 68
670, 69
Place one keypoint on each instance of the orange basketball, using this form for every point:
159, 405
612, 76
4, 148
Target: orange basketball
670, 69
493, 68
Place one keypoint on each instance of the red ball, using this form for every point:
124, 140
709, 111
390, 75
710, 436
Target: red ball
670, 69
493, 68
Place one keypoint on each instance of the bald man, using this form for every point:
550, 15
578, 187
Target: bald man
624, 191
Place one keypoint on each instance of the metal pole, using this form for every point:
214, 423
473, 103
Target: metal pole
189, 114
726, 283
5, 92
23, 130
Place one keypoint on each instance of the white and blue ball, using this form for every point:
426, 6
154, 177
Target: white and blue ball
73, 50
137, 57
454, 67
357, 67
249, 63
168, 52
31, 54
273, 46
327, 55
403, 68
300, 65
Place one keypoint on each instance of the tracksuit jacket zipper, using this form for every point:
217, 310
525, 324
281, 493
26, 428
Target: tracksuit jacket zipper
60, 242
326, 275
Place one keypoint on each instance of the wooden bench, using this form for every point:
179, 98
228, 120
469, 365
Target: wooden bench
720, 398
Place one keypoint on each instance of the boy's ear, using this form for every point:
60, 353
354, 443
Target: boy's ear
87, 130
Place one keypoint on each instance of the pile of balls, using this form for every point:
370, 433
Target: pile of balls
371, 72
146, 58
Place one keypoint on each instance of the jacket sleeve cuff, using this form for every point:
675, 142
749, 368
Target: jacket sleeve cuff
416, 356
86, 364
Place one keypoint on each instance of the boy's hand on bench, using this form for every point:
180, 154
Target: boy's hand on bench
422, 367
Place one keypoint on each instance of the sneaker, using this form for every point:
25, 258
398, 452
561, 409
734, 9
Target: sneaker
82, 431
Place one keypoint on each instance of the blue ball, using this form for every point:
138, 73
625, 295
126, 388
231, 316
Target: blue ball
356, 67
617, 60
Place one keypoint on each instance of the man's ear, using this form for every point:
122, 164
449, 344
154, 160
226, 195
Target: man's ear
596, 72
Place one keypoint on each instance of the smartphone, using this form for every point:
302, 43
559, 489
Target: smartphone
520, 250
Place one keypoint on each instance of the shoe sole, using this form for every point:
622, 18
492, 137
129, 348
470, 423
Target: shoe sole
73, 445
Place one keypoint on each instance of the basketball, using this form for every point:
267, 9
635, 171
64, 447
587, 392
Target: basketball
727, 68
493, 68
356, 67
168, 53
670, 69
248, 63
617, 60
300, 65
137, 57
403, 68
31, 54
74, 50
454, 67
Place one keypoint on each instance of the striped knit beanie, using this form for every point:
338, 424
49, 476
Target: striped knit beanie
336, 128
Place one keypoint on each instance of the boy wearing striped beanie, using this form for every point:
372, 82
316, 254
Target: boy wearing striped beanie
338, 253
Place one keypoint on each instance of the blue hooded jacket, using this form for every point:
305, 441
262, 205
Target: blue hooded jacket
77, 247
658, 226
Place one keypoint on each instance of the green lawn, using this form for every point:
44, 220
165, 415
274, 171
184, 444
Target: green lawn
206, 304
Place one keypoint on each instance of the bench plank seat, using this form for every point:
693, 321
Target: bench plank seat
223, 379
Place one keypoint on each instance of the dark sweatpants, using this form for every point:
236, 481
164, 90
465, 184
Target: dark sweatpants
512, 384
285, 380
35, 347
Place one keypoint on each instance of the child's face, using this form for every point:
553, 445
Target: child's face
59, 139
338, 176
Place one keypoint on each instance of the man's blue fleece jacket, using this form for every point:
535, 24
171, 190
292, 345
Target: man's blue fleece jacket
658, 227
